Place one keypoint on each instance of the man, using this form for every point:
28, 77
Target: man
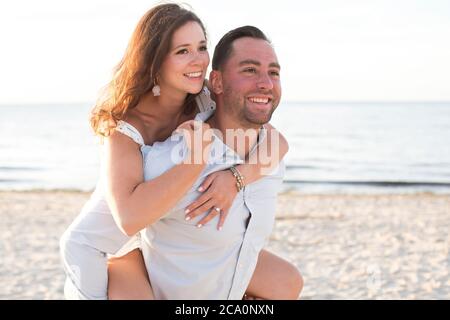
246, 83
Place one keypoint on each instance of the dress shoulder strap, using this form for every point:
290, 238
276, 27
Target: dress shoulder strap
130, 131
204, 100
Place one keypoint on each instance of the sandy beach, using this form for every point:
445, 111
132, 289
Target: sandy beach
346, 246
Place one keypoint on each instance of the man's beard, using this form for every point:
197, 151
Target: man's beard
237, 106
256, 118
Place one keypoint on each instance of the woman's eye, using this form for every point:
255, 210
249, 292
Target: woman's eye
275, 73
203, 48
182, 51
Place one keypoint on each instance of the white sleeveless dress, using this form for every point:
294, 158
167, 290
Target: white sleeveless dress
94, 235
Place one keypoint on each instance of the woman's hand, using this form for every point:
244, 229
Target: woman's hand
219, 190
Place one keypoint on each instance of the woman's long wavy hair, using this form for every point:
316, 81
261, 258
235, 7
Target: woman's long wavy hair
135, 75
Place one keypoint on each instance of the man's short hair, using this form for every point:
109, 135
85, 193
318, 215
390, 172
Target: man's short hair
223, 49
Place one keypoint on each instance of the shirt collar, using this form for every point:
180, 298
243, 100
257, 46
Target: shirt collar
222, 150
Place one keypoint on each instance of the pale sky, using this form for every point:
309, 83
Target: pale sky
55, 51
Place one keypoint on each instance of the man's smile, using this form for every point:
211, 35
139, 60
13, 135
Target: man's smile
260, 102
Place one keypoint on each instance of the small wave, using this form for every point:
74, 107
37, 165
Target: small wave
374, 183
430, 164
290, 167
4, 168
17, 180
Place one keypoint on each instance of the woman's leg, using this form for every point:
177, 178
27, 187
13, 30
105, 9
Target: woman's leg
128, 278
85, 269
274, 279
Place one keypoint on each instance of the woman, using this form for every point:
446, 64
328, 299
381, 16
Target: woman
153, 92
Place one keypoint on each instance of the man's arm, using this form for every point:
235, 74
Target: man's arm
266, 157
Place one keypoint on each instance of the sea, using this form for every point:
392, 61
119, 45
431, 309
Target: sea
335, 147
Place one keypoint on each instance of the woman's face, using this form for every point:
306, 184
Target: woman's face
184, 67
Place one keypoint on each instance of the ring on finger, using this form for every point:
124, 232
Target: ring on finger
217, 209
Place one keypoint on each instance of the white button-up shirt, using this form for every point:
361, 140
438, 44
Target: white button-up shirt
187, 262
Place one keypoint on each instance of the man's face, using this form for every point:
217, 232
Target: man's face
251, 81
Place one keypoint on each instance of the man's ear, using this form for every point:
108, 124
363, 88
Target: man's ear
215, 80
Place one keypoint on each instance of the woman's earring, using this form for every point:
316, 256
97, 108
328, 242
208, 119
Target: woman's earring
156, 89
